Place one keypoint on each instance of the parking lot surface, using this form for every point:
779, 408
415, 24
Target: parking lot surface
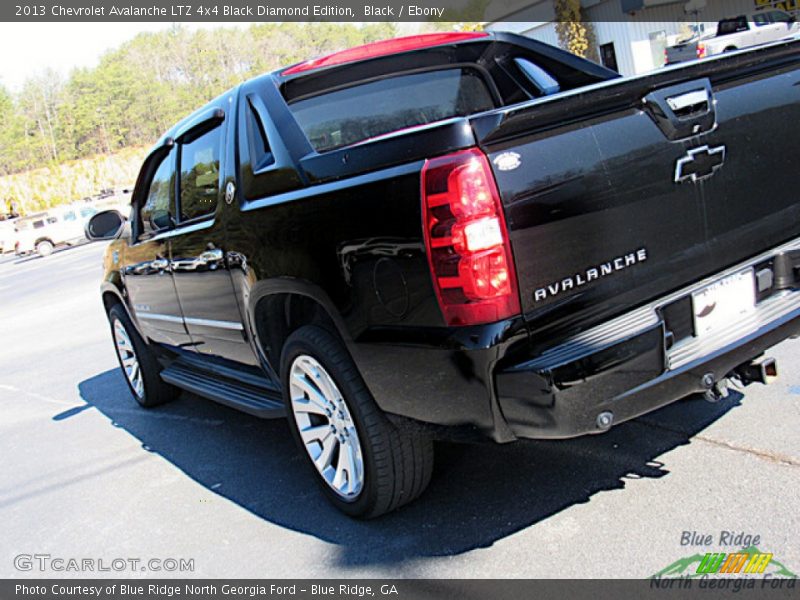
87, 474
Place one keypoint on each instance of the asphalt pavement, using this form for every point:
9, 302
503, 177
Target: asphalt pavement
87, 474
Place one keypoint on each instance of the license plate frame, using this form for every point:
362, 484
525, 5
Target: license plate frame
723, 302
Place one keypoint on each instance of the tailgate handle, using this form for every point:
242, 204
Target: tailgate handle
683, 110
690, 102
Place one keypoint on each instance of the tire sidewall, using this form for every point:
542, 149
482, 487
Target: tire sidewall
297, 346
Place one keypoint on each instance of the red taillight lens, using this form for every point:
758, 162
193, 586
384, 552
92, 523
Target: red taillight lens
467, 240
701, 50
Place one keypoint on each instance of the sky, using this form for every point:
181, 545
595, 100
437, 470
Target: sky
27, 49
30, 48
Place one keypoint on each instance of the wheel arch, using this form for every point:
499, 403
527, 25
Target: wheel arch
277, 308
111, 296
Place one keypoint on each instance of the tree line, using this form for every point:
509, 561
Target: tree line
140, 89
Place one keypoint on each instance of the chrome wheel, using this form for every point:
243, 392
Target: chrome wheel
326, 427
127, 357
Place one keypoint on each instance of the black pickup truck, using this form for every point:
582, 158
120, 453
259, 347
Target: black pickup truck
461, 236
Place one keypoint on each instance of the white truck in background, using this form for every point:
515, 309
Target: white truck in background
43, 232
735, 33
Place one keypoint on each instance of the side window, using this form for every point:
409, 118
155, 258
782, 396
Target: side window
70, 216
154, 213
778, 16
760, 19
200, 175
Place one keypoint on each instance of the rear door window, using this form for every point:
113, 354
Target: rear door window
367, 110
200, 175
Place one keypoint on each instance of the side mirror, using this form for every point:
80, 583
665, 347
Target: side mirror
104, 225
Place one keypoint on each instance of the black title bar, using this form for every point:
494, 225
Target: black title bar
397, 589
233, 11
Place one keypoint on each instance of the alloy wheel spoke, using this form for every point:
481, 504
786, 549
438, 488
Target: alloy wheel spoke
339, 479
350, 465
304, 405
312, 392
323, 461
315, 433
321, 380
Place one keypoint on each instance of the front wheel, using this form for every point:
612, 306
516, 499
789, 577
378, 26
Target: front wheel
365, 465
138, 363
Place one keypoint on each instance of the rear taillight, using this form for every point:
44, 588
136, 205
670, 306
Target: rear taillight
701, 50
467, 240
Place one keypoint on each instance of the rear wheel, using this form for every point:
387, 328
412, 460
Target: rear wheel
44, 248
137, 361
365, 465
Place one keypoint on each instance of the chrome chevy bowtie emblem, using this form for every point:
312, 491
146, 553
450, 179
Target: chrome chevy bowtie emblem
699, 163
230, 192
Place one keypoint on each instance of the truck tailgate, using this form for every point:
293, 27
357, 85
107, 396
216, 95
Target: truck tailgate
625, 191
681, 52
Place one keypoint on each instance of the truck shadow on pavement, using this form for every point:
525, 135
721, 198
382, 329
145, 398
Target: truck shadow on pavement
479, 493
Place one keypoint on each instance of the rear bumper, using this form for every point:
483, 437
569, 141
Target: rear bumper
623, 381
483, 381
636, 363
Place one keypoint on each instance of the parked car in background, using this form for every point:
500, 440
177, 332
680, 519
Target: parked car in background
43, 232
735, 33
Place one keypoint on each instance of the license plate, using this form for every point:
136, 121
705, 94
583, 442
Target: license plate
724, 302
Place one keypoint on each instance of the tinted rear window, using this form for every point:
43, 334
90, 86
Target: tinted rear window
347, 116
728, 26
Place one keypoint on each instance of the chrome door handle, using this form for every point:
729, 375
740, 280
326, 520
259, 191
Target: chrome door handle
210, 256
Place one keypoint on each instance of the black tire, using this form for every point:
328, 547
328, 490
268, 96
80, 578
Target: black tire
154, 390
397, 464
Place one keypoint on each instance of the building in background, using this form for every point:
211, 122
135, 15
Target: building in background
631, 35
